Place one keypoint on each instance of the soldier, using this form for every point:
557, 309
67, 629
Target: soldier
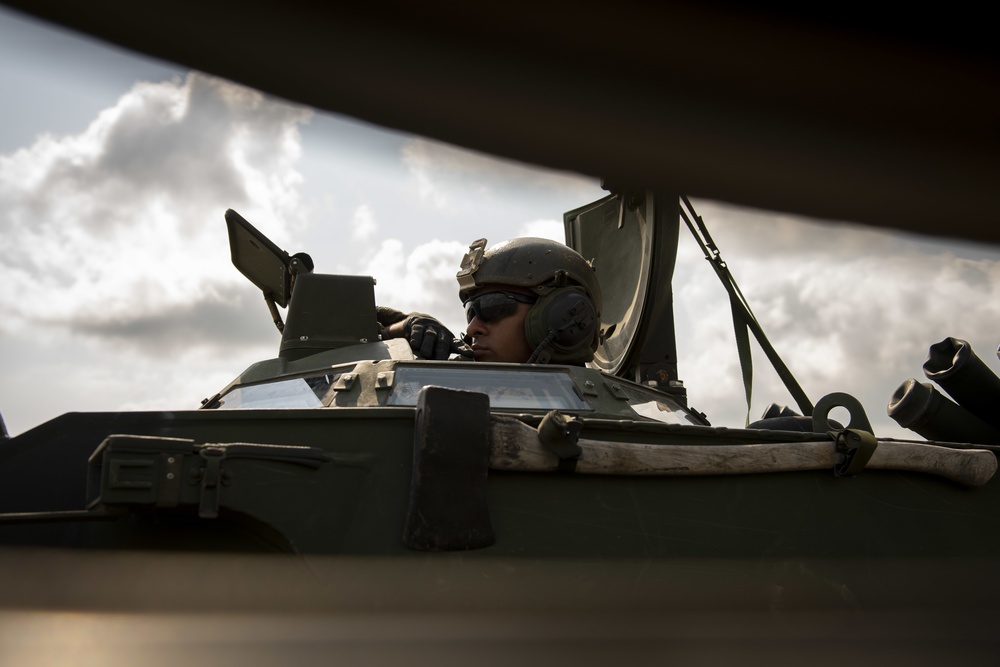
527, 300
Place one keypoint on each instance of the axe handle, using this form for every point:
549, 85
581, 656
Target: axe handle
515, 446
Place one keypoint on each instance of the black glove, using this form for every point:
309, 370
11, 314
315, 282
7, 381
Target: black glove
386, 317
427, 336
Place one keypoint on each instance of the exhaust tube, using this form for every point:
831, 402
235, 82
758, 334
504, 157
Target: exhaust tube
920, 407
954, 366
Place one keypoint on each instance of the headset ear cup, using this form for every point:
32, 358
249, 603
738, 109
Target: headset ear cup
572, 318
571, 314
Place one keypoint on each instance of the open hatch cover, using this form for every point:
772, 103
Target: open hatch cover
632, 242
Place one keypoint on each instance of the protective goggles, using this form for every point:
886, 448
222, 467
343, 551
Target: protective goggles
495, 305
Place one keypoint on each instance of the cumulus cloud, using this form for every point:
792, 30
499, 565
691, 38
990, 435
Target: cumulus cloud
417, 156
545, 229
363, 225
234, 317
847, 308
421, 280
115, 228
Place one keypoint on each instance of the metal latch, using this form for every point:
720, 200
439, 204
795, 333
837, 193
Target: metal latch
384, 379
589, 388
857, 447
857, 442
616, 390
559, 434
212, 478
345, 382
130, 470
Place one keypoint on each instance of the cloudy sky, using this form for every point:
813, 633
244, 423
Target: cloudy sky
118, 292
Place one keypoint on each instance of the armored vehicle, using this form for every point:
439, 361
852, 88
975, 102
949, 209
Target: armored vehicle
432, 510
503, 483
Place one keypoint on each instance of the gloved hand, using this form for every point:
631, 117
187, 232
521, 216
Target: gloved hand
428, 338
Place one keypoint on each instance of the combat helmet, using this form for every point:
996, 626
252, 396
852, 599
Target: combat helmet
563, 325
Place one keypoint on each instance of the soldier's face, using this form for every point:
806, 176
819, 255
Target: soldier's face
501, 339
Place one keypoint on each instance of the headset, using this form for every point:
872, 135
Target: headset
562, 327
